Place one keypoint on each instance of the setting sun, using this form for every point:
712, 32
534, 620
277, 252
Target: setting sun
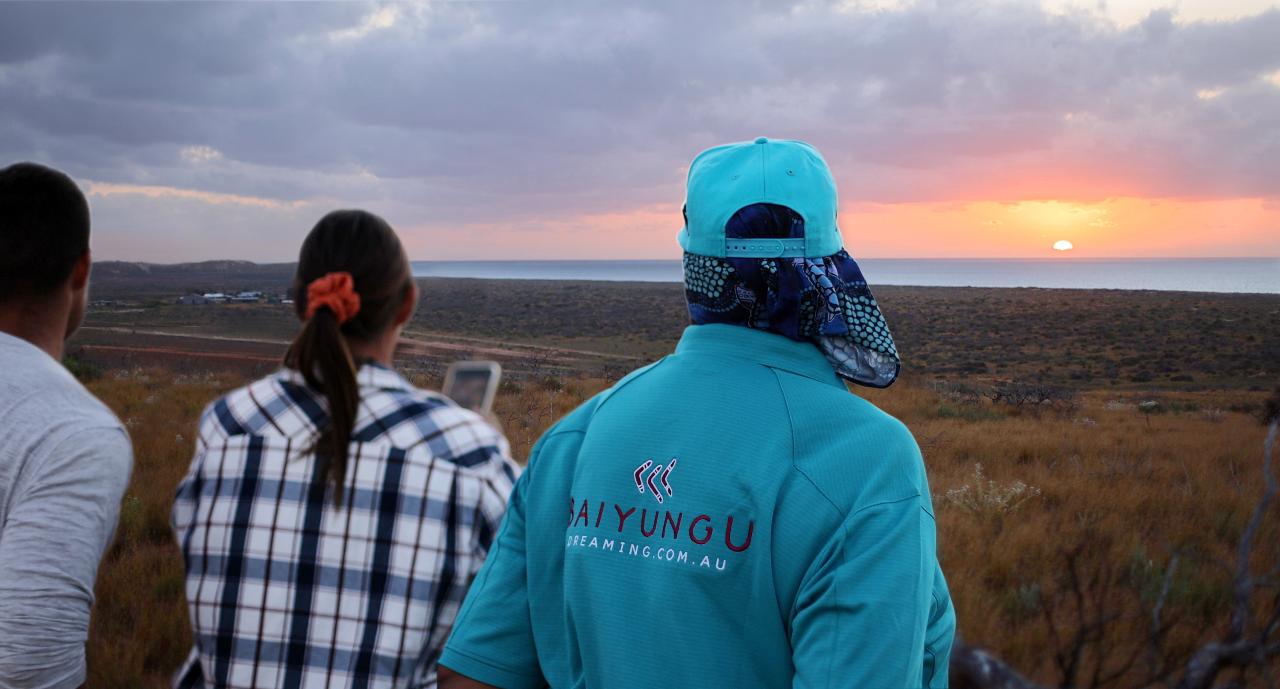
1063, 245
1112, 227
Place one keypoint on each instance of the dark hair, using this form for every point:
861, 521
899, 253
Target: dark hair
364, 245
44, 229
761, 220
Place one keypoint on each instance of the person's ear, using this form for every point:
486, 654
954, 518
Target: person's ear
80, 271
408, 305
78, 284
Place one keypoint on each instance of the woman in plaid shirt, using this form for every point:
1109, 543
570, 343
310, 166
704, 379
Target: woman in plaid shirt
334, 515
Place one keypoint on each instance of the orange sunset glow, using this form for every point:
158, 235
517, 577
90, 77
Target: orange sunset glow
1122, 227
1114, 227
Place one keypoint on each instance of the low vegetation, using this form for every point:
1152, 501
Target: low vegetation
1061, 529
1058, 339
1095, 456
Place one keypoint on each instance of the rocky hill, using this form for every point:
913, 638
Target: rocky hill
132, 280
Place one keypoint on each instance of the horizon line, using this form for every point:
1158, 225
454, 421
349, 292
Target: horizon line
677, 259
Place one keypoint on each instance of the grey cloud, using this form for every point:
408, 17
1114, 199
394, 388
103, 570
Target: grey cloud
491, 112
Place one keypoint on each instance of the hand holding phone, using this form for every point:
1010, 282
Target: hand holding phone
473, 384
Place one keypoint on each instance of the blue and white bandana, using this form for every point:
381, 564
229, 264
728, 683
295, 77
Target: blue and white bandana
821, 300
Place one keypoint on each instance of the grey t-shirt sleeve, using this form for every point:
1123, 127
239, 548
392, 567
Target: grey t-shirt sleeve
62, 517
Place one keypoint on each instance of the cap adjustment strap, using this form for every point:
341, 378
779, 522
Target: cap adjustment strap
764, 248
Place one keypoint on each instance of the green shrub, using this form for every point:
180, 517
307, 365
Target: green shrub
84, 371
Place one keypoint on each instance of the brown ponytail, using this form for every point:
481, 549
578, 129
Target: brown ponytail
365, 246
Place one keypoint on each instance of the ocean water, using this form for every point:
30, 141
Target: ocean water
1193, 275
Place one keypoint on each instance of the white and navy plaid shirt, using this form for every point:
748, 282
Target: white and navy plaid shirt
284, 588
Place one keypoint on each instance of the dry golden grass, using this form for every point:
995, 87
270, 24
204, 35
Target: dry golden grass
1121, 491
139, 632
1108, 490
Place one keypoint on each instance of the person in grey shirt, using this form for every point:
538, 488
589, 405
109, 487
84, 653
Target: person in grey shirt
64, 457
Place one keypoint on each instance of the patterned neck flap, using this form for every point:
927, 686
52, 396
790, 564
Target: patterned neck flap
821, 300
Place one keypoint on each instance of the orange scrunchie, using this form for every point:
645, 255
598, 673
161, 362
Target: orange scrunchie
335, 291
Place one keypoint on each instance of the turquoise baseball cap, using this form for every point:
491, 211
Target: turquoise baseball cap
725, 179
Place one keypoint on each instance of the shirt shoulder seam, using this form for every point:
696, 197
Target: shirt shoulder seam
891, 501
634, 375
791, 429
563, 431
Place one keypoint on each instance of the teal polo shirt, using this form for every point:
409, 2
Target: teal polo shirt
730, 516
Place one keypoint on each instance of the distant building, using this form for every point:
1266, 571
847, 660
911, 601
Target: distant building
286, 301
192, 299
215, 298
247, 297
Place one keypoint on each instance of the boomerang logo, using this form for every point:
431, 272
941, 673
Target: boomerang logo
659, 473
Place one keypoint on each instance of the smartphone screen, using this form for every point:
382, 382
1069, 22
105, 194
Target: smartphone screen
472, 384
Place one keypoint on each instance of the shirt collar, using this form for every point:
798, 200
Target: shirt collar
370, 375
38, 354
769, 349
375, 375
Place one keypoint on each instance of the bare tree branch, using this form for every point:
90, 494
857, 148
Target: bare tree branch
1245, 647
974, 668
1235, 650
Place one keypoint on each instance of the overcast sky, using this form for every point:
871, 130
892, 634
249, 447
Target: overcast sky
563, 130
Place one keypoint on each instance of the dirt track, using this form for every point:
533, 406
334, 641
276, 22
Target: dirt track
172, 351
139, 347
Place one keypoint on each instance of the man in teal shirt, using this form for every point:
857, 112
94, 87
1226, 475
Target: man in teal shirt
730, 516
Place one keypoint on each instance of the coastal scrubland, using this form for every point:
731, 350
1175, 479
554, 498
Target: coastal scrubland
1094, 457
1113, 339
